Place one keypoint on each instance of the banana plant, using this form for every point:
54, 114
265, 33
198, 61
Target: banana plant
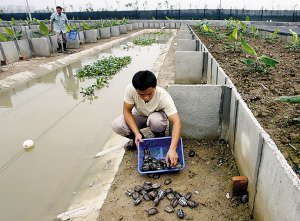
296, 46
260, 62
289, 99
13, 21
247, 18
12, 34
235, 45
255, 32
86, 25
272, 37
3, 37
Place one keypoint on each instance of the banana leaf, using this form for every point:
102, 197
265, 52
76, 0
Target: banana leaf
44, 28
86, 25
289, 99
13, 21
3, 38
247, 18
233, 36
295, 36
248, 62
269, 62
9, 31
274, 33
243, 25
247, 47
227, 43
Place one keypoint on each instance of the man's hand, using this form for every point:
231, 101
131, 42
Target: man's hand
172, 155
138, 137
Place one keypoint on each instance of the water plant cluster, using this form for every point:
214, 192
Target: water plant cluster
103, 69
143, 42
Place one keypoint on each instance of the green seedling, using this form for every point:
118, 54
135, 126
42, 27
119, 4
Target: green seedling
260, 62
169, 18
153, 18
3, 37
255, 32
13, 21
235, 45
247, 18
215, 33
86, 25
272, 37
296, 45
12, 34
143, 42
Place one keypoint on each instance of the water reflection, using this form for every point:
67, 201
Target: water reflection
70, 84
5, 100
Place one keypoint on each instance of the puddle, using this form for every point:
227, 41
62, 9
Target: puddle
68, 131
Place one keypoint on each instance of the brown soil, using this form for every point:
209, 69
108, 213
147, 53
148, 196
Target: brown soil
259, 90
201, 174
33, 62
208, 183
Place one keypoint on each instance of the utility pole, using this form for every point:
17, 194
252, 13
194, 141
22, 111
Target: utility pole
28, 10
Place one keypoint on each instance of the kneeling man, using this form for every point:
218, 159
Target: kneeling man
148, 105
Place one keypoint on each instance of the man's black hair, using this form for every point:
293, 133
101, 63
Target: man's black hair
142, 80
58, 7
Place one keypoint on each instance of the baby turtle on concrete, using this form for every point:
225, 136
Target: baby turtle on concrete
174, 202
156, 185
169, 209
169, 190
156, 201
138, 188
188, 195
135, 195
152, 195
137, 201
129, 192
156, 176
146, 197
191, 203
182, 201
192, 153
180, 213
170, 196
161, 194
151, 211
177, 195
168, 181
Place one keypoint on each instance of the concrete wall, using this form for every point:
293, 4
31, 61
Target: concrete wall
9, 51
186, 45
40, 47
115, 31
90, 36
24, 49
105, 32
198, 107
123, 29
188, 67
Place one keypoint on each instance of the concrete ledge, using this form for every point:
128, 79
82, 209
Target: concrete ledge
146, 25
188, 67
123, 29
10, 51
214, 72
173, 25
186, 45
54, 43
115, 31
185, 36
135, 26
201, 120
105, 32
81, 37
151, 25
156, 25
24, 48
129, 27
90, 36
72, 43
40, 47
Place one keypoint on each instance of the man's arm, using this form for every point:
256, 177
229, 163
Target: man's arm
51, 26
70, 28
131, 121
176, 132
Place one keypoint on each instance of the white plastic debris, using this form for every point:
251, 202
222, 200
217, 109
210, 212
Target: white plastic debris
91, 184
74, 193
197, 192
28, 144
227, 195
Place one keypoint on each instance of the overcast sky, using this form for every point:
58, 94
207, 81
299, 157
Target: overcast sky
154, 4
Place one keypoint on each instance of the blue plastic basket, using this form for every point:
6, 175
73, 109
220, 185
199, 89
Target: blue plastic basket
73, 35
159, 148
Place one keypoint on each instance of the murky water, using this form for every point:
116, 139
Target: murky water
37, 184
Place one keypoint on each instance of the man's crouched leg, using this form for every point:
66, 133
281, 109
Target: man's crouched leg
157, 122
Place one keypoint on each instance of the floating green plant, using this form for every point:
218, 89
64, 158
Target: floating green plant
143, 42
157, 33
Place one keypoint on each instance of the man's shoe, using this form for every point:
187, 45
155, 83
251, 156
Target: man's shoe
60, 51
130, 145
65, 46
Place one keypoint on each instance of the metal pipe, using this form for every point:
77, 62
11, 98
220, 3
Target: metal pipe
28, 10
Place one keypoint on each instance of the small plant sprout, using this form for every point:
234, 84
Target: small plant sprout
247, 18
296, 46
86, 25
259, 62
235, 45
255, 32
289, 99
272, 37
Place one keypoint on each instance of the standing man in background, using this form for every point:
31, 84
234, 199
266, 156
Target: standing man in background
60, 21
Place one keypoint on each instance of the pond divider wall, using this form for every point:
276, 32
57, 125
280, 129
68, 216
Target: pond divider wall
274, 188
